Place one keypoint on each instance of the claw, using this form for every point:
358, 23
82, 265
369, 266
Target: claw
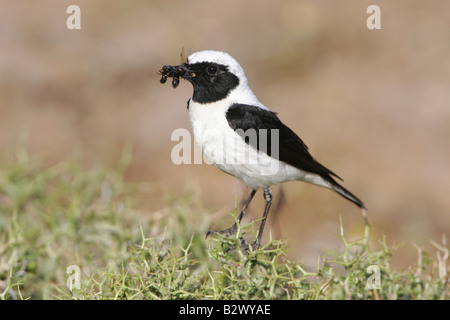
208, 233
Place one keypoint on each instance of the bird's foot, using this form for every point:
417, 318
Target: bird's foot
227, 232
243, 244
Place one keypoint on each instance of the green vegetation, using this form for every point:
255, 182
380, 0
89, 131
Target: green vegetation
53, 218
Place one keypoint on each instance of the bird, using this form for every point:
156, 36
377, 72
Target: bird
241, 136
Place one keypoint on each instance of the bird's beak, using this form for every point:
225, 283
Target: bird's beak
187, 72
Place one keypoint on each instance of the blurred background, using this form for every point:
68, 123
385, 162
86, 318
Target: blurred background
372, 105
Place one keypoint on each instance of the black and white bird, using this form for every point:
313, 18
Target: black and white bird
241, 136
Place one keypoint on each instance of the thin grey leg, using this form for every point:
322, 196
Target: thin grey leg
268, 199
233, 229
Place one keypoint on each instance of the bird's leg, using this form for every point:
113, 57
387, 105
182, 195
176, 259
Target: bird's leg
233, 229
268, 199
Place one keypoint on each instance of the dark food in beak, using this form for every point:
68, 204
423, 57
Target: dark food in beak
174, 72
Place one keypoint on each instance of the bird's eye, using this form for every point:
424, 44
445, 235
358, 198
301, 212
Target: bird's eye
212, 69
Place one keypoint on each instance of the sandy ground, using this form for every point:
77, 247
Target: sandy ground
372, 105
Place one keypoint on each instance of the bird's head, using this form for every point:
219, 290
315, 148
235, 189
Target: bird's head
213, 74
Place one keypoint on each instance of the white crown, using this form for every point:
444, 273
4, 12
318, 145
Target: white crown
218, 57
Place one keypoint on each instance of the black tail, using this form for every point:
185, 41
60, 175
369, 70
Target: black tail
347, 194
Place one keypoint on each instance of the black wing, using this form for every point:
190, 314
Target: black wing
292, 150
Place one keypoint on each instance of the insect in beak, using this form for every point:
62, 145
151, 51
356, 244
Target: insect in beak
175, 82
175, 72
